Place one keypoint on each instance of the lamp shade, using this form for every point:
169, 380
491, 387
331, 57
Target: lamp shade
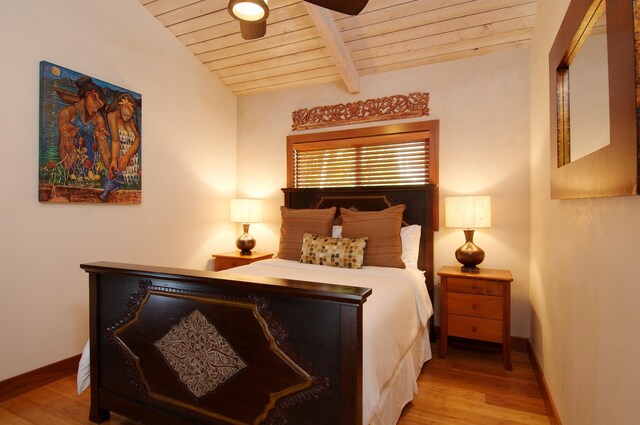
246, 210
467, 212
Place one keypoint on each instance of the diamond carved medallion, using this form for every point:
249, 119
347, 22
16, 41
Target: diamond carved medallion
202, 358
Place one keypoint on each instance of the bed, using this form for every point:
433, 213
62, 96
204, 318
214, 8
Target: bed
274, 342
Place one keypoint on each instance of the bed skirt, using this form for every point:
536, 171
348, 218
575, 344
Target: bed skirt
403, 384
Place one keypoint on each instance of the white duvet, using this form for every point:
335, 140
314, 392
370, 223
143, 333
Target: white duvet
395, 334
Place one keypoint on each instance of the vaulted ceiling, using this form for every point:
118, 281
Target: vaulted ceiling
306, 44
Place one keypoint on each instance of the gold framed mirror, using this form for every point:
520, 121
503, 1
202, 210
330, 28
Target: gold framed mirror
595, 99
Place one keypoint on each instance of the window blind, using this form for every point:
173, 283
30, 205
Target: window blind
367, 163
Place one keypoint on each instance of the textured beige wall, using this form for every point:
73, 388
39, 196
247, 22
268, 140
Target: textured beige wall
483, 107
188, 145
585, 286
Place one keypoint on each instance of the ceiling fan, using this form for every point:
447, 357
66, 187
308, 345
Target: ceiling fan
252, 14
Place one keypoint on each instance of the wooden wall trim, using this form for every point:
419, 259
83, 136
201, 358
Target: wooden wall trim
552, 412
393, 107
26, 382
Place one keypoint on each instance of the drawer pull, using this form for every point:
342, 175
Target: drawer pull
474, 329
474, 306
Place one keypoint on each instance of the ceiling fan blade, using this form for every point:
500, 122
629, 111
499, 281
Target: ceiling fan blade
349, 7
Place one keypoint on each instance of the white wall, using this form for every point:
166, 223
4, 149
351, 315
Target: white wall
585, 289
483, 107
188, 143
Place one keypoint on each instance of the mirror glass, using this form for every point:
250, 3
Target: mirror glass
589, 94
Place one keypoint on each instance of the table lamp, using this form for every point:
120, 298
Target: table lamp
468, 213
246, 211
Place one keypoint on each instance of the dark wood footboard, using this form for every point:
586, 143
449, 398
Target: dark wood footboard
172, 346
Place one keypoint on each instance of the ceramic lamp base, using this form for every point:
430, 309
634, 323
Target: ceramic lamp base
245, 243
469, 255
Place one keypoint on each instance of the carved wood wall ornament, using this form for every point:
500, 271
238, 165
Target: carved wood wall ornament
381, 109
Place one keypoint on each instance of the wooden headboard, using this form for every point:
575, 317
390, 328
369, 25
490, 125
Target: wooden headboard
419, 201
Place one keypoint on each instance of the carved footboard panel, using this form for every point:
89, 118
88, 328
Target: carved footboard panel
172, 346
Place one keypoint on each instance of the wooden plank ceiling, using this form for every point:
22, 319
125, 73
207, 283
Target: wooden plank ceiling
307, 45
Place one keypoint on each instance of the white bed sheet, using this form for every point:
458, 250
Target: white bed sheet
395, 333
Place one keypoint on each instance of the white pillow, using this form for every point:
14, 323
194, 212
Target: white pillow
410, 236
84, 370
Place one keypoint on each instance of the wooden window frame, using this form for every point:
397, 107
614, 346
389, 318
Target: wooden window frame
373, 135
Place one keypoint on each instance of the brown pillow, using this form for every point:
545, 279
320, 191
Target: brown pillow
295, 223
335, 252
382, 228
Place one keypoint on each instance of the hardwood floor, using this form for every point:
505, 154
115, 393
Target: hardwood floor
469, 387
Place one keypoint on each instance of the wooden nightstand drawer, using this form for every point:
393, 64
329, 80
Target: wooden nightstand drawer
475, 328
475, 286
476, 305
485, 306
235, 259
227, 263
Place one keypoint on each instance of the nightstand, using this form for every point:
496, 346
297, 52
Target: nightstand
235, 259
476, 306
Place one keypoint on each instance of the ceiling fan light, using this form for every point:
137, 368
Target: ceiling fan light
253, 30
249, 10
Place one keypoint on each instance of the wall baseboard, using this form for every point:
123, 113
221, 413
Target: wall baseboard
26, 382
552, 412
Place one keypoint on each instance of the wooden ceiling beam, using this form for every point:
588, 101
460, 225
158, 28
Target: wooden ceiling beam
326, 26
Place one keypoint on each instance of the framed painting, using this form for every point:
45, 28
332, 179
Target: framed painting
90, 139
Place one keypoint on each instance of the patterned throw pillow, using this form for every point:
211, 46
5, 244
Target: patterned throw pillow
335, 252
